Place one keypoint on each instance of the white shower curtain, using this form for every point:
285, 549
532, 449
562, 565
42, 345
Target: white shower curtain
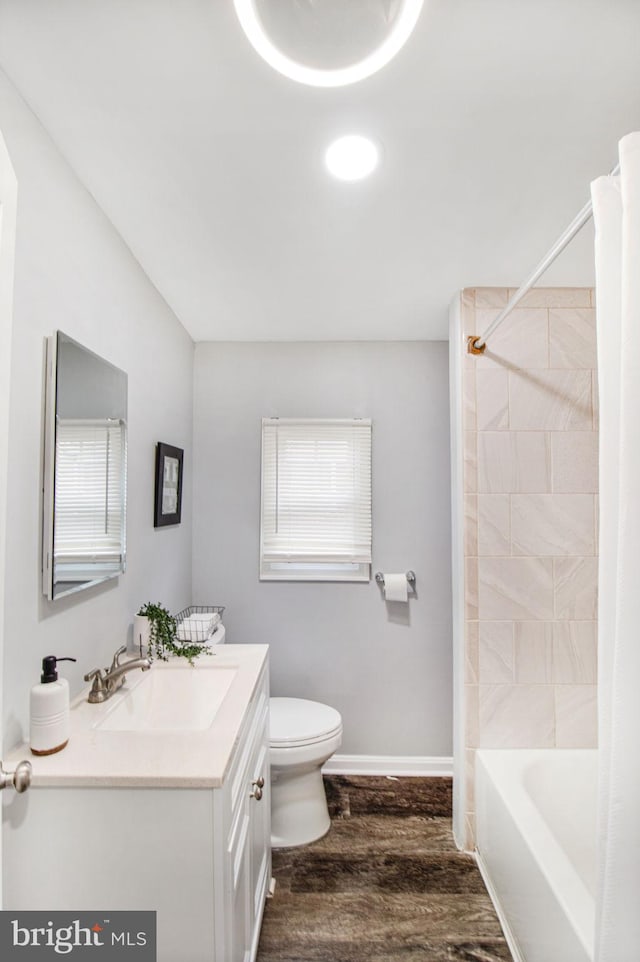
616, 207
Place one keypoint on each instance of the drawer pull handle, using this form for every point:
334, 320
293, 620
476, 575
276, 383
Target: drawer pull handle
20, 779
258, 785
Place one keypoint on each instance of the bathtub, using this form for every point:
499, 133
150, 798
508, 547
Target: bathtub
535, 839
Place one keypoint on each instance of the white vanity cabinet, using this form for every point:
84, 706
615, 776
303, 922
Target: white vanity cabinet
198, 854
243, 819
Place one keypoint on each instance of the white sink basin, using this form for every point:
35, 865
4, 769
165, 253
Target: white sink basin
169, 699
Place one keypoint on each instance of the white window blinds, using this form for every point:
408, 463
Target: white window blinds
316, 499
90, 491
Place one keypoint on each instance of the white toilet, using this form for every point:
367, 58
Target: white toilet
303, 735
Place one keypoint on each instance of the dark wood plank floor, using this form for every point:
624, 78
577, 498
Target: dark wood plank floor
387, 883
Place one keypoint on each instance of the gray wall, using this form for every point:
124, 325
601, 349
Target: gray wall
386, 668
73, 272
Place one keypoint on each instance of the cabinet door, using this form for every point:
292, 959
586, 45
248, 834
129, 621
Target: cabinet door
248, 861
238, 928
260, 843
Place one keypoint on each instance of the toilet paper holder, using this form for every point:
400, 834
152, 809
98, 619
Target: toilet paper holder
411, 578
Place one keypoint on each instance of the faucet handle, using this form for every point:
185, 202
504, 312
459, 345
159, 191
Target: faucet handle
99, 691
116, 658
97, 677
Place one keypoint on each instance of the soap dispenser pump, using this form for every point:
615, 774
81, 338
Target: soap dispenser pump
49, 710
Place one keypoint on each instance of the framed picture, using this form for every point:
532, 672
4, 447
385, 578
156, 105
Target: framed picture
168, 496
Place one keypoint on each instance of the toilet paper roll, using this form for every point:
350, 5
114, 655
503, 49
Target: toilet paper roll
396, 587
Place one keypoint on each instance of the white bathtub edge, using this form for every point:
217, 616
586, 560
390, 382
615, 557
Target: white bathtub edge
502, 918
511, 831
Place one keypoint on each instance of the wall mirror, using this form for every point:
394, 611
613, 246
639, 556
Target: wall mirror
85, 469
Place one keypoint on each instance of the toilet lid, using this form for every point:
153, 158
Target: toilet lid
297, 721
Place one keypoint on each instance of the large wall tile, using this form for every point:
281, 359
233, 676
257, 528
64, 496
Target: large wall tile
515, 589
574, 461
493, 524
470, 525
495, 651
550, 401
575, 656
471, 652
531, 417
470, 770
576, 709
522, 341
516, 716
513, 461
552, 524
556, 297
575, 588
471, 588
468, 311
533, 649
470, 831
470, 462
492, 393
469, 418
488, 297
572, 338
471, 715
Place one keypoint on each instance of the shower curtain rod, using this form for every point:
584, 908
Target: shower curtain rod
476, 343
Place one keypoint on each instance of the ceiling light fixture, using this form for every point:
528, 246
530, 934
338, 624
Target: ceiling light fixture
352, 157
328, 43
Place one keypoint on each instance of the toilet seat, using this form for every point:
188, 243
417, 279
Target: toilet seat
295, 722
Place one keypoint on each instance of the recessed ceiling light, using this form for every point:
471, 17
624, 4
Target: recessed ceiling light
328, 44
352, 157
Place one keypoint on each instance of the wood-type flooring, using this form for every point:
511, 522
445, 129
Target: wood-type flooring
386, 884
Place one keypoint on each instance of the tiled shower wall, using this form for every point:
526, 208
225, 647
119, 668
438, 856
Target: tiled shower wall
530, 527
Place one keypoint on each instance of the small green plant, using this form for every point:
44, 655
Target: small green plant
163, 633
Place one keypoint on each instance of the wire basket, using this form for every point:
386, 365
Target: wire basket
198, 630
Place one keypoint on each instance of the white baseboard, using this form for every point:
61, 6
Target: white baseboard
394, 765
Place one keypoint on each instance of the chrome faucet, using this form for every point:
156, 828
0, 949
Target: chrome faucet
107, 681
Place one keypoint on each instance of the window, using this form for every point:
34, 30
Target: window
316, 500
90, 495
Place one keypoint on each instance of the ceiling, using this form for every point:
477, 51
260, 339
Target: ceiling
493, 119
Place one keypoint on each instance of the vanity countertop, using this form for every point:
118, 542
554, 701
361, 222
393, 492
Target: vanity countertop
95, 757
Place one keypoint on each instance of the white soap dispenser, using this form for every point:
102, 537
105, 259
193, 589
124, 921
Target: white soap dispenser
49, 710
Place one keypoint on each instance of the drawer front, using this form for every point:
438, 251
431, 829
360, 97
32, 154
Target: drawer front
251, 734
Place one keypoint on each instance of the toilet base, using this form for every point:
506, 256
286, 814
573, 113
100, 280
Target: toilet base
299, 812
